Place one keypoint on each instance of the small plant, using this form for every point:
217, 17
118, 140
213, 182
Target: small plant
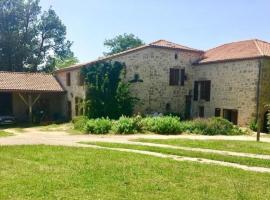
162, 125
98, 126
80, 123
127, 125
253, 125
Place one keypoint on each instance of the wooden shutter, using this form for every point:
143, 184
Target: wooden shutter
182, 77
68, 79
207, 90
174, 76
196, 90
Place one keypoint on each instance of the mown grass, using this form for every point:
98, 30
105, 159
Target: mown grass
51, 172
226, 145
212, 156
5, 133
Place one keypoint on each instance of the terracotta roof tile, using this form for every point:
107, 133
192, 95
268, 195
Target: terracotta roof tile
156, 44
237, 50
167, 44
29, 82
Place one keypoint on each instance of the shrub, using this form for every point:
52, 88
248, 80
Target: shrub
127, 125
253, 125
98, 126
214, 126
80, 123
162, 125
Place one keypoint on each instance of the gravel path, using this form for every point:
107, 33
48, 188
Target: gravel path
33, 136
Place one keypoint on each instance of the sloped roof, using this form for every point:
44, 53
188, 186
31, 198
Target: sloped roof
237, 50
29, 82
157, 44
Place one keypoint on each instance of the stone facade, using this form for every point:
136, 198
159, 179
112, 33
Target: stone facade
234, 84
233, 87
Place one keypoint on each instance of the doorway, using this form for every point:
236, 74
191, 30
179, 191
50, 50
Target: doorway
231, 115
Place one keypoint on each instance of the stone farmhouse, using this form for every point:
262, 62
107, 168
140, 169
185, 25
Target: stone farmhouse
231, 81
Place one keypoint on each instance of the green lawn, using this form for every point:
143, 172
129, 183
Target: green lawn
227, 145
5, 133
212, 156
50, 172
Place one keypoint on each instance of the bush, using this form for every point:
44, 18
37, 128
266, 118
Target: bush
213, 126
127, 125
80, 123
98, 126
162, 125
253, 125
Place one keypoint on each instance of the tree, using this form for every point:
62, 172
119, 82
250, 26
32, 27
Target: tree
29, 38
122, 43
59, 63
107, 94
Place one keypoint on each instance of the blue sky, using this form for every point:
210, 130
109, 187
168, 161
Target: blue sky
198, 24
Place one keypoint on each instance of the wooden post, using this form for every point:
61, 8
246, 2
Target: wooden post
258, 130
30, 108
30, 103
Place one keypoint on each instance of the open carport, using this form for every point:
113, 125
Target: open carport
32, 97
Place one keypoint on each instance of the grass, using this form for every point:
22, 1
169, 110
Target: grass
51, 172
212, 156
227, 145
5, 133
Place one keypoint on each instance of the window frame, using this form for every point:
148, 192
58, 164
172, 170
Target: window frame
68, 79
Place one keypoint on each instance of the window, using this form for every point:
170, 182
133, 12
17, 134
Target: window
202, 90
201, 111
183, 77
174, 76
68, 79
231, 115
177, 76
217, 112
175, 56
80, 79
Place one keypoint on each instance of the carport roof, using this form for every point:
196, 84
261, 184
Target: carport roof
28, 82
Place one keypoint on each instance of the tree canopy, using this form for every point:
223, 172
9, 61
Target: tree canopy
30, 39
122, 43
107, 94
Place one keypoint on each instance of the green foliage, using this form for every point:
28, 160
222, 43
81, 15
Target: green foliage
126, 125
162, 125
253, 125
60, 63
159, 125
29, 38
98, 126
122, 43
212, 126
80, 123
107, 95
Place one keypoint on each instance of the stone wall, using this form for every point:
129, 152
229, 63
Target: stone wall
264, 98
233, 86
75, 89
152, 65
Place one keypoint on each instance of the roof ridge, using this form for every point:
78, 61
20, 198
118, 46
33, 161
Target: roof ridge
259, 49
12, 72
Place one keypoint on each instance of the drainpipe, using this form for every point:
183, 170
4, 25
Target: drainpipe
258, 119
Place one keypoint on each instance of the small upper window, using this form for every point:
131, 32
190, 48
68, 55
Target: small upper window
176, 56
68, 79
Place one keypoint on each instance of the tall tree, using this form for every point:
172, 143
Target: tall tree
29, 38
121, 43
